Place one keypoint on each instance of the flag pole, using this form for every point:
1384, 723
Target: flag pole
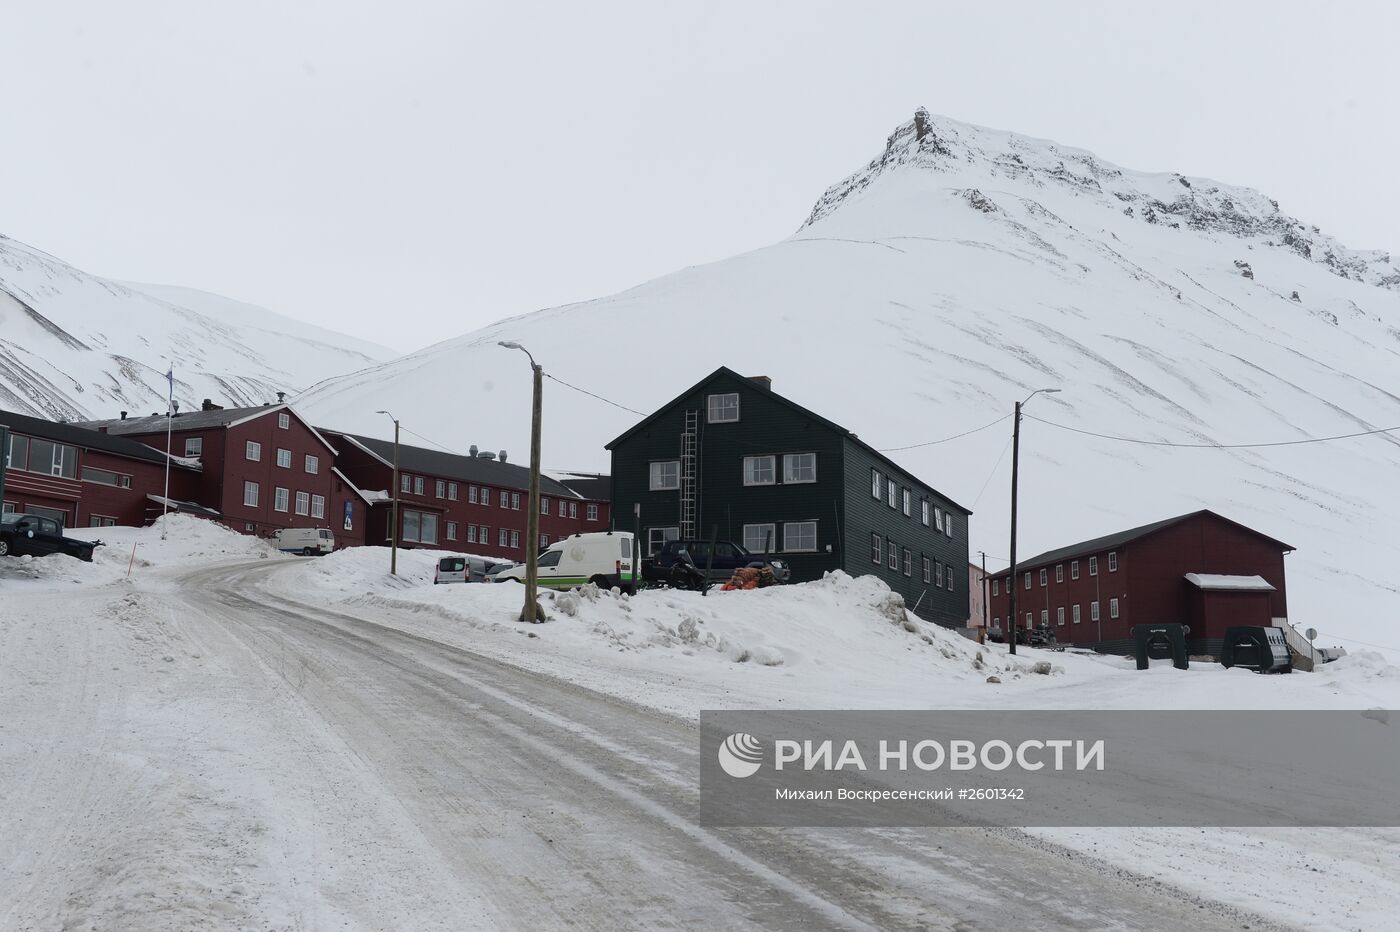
169, 427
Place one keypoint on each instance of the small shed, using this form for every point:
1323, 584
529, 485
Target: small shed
1219, 602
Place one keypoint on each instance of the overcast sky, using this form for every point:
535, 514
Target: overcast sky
409, 171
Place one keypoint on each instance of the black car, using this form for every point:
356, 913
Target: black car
22, 534
728, 557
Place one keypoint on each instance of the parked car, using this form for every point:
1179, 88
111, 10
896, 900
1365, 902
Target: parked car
461, 570
495, 569
22, 534
603, 558
728, 557
306, 541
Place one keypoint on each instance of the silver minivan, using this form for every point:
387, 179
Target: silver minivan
458, 569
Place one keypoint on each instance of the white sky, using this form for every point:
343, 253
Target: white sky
409, 171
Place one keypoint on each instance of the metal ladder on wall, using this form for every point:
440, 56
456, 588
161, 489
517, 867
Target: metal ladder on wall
688, 445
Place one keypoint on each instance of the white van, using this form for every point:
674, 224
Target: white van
306, 541
460, 569
603, 558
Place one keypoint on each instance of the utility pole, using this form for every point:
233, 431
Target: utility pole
531, 611
1015, 476
394, 514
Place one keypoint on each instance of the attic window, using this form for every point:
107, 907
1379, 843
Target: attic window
284, 420
724, 409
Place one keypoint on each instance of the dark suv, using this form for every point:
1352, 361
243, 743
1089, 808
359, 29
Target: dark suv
22, 534
728, 557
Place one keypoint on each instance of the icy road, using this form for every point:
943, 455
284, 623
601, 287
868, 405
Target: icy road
207, 753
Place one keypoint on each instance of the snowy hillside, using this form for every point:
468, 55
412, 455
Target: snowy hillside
954, 274
73, 345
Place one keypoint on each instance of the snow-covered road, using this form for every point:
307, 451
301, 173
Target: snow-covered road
257, 761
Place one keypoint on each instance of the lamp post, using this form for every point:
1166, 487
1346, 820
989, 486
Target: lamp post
530, 611
1015, 474
394, 514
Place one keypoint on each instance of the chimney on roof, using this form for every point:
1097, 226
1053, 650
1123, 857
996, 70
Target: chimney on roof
123, 415
764, 382
472, 450
503, 456
486, 455
210, 406
281, 397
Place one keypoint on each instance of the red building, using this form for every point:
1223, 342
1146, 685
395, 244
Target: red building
1200, 569
476, 503
87, 478
263, 468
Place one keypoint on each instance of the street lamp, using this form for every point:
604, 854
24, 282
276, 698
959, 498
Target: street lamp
531, 611
394, 516
1015, 473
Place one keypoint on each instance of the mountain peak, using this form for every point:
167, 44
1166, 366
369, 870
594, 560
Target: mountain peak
985, 165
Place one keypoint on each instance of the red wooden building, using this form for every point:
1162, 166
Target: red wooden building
469, 503
263, 468
87, 478
1200, 569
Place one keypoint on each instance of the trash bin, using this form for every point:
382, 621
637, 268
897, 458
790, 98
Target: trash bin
1161, 642
1259, 648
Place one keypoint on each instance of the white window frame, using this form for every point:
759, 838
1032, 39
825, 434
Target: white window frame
440, 488
925, 511
573, 510
793, 468
877, 484
891, 555
937, 575
281, 499
938, 518
948, 525
1093, 566
1112, 608
877, 548
756, 474
502, 535
655, 543
515, 540
660, 471
471, 495
1044, 577
907, 503
950, 578
563, 509
318, 506
452, 530
1060, 616
769, 529
515, 501
718, 407
313, 464
252, 451
419, 485
284, 458
194, 446
1073, 569
996, 587
1027, 584
590, 512
892, 488
1113, 561
1045, 617
789, 527
928, 570
250, 500
405, 482
284, 420
1094, 610
451, 491
544, 505
1074, 613
1059, 572
303, 503
908, 562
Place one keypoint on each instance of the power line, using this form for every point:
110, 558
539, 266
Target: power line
1211, 446
929, 443
992, 473
440, 446
592, 395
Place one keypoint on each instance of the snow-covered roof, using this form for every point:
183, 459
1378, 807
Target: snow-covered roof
369, 498
190, 508
1237, 583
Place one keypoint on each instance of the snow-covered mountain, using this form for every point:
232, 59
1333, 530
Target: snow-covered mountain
74, 345
957, 272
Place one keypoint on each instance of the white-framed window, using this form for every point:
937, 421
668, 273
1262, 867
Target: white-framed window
252, 451
799, 467
105, 477
420, 526
908, 503
1060, 617
318, 506
544, 541
1044, 578
1093, 566
1045, 616
1112, 608
877, 483
590, 512
502, 535
893, 493
452, 530
471, 495
877, 548
656, 536
948, 525
937, 575
924, 512
405, 482
723, 409
440, 489
281, 499
515, 501
908, 562
418, 485
760, 538
950, 579
471, 533
284, 458
800, 536
1059, 572
892, 555
101, 521
760, 470
996, 587
544, 505
303, 503
505, 499
313, 463
1094, 610
515, 539
194, 446
485, 495
451, 491
938, 518
928, 570
1074, 613
1028, 580
1113, 561
1074, 569
1030, 620
563, 509
284, 420
573, 509
665, 474
250, 494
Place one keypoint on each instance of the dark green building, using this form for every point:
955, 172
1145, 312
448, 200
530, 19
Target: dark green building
733, 456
